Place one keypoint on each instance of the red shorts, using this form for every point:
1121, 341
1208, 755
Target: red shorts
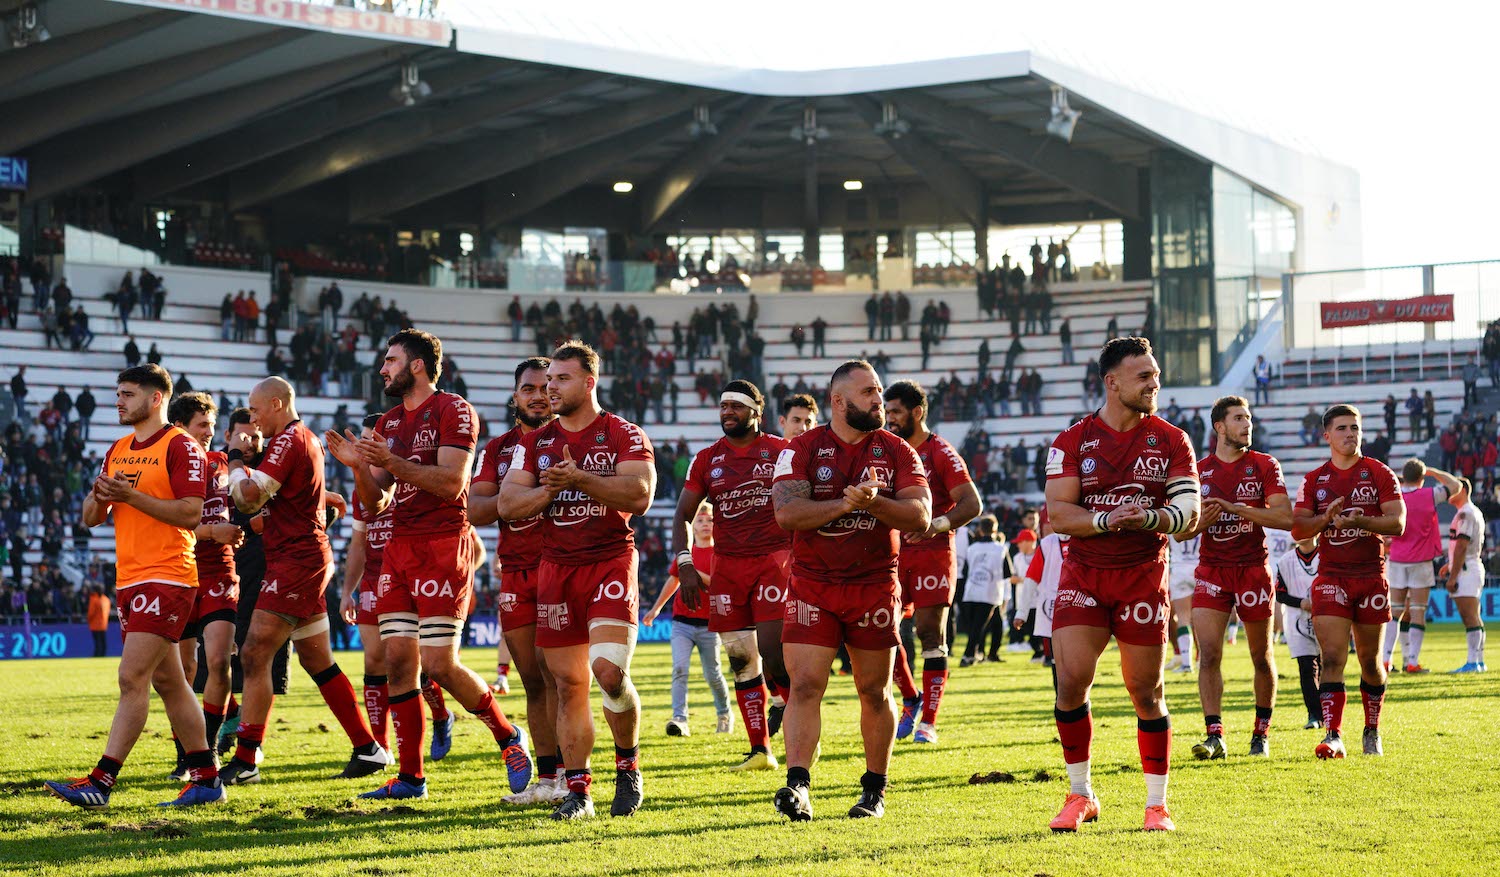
1224, 588
364, 601
156, 608
1130, 602
1362, 599
860, 616
569, 597
517, 598
746, 591
927, 577
432, 576
294, 590
216, 594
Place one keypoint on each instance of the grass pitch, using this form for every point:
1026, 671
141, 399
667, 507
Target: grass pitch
1424, 808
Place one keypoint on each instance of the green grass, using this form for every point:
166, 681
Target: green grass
1426, 808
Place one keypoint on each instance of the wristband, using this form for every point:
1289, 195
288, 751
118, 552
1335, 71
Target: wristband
1101, 522
942, 524
1152, 519
235, 454
684, 558
238, 475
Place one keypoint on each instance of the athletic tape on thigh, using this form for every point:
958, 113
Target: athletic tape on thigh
317, 627
740, 644
439, 631
394, 624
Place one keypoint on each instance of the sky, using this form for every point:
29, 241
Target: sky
1402, 94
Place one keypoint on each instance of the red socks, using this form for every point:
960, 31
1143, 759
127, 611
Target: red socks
249, 739
433, 694
934, 679
903, 676
376, 696
1331, 697
1373, 697
1154, 739
410, 726
1262, 721
751, 696
489, 712
338, 693
1075, 730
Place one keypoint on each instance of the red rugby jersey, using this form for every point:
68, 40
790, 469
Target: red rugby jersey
445, 420
1251, 480
855, 548
520, 543
1114, 468
1365, 486
215, 559
738, 483
945, 471
294, 523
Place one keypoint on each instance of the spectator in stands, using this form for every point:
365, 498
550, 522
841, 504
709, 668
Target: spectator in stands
903, 315
1036, 392
49, 328
252, 316
330, 308
241, 316
1414, 410
1448, 442
99, 609
820, 336
10, 301
18, 391
1093, 386
132, 352
1065, 336
153, 354
1112, 331
799, 338
1148, 325
944, 317
887, 315
1390, 417
517, 316
1031, 304
1378, 447
62, 298
82, 335
62, 403
984, 356
1262, 375
41, 285
158, 294
872, 315
86, 405
1044, 307
226, 318
1471, 381
1012, 353
125, 300
1312, 427
1429, 412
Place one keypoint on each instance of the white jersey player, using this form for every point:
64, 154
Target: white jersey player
1464, 575
1295, 571
1278, 542
1181, 580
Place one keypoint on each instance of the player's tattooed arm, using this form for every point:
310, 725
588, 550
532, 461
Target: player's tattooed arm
797, 510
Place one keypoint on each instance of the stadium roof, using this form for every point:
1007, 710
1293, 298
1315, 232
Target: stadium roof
290, 112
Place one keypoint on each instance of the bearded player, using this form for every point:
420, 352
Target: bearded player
1119, 482
587, 471
288, 483
746, 599
519, 552
218, 586
1243, 492
153, 485
1349, 503
845, 491
423, 448
928, 568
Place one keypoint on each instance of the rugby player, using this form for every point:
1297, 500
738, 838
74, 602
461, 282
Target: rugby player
519, 553
928, 567
1464, 574
1119, 482
1411, 559
299, 565
153, 482
218, 586
1243, 492
587, 471
1349, 503
845, 491
1295, 572
423, 448
747, 597
1182, 571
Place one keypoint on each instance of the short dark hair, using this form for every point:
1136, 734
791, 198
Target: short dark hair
371, 421
189, 405
530, 363
149, 376
985, 527
1341, 410
1117, 350
740, 385
908, 393
1468, 486
238, 416
1414, 471
1222, 406
849, 365
798, 400
421, 345
578, 352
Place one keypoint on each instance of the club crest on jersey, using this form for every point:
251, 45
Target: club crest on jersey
1364, 475
426, 416
1151, 440
765, 454
1089, 465
878, 451
825, 473
1249, 468
599, 437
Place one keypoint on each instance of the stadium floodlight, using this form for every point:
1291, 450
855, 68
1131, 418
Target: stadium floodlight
702, 125
853, 185
809, 132
1064, 118
624, 186
891, 124
410, 88
26, 28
